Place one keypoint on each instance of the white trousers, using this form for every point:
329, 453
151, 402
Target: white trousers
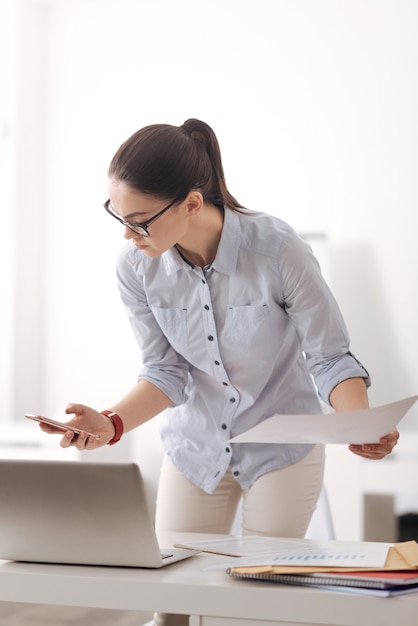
278, 504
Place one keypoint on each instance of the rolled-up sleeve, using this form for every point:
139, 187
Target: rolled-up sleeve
317, 318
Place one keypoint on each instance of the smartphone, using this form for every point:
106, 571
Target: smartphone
60, 425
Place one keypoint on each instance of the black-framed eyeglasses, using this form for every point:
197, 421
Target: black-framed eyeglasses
141, 228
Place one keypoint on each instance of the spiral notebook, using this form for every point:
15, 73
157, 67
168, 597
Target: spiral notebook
383, 584
398, 575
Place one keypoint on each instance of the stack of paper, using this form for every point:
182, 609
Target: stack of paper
398, 575
373, 568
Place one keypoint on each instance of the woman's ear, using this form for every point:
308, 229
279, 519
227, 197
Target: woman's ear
194, 202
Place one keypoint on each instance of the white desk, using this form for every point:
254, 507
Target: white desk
210, 597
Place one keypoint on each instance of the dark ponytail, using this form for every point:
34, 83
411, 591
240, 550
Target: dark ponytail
169, 161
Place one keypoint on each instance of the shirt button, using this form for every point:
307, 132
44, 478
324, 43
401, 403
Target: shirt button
227, 449
216, 362
206, 307
225, 384
232, 400
210, 338
236, 473
203, 281
224, 426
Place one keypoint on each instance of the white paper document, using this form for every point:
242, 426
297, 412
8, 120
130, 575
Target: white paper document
323, 554
256, 550
237, 545
358, 427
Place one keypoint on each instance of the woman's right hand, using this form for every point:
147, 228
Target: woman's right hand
87, 420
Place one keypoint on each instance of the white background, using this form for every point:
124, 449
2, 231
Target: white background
314, 103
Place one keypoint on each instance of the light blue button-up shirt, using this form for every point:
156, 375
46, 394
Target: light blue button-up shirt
234, 343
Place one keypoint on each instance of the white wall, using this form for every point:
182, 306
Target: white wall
314, 103
7, 235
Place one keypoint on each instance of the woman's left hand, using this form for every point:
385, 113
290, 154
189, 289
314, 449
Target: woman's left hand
376, 451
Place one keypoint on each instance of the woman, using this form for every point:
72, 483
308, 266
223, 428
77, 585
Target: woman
235, 322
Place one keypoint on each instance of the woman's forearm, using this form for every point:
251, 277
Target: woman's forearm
350, 395
141, 403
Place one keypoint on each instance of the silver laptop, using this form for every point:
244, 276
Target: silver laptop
78, 513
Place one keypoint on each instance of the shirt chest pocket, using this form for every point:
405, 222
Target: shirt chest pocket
248, 324
173, 323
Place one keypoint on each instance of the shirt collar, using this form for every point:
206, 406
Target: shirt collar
226, 255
